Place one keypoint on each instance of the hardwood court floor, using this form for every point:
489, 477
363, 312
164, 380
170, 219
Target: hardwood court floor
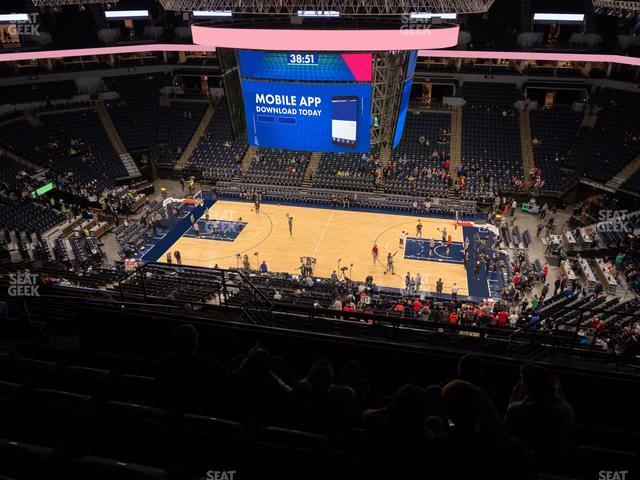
327, 235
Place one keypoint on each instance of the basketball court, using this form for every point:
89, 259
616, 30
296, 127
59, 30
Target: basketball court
336, 238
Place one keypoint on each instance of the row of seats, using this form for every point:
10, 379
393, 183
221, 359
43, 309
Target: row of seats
604, 150
495, 96
181, 415
556, 129
278, 167
490, 150
336, 197
414, 168
86, 129
176, 125
218, 153
186, 284
346, 171
72, 144
37, 92
633, 182
135, 113
28, 216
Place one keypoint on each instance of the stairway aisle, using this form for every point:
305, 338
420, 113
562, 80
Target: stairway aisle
31, 117
197, 135
21, 160
248, 157
116, 141
589, 120
526, 147
623, 175
312, 168
385, 159
456, 141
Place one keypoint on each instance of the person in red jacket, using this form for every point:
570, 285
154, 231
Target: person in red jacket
503, 318
453, 317
516, 279
416, 306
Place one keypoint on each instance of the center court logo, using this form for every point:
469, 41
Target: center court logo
23, 285
415, 26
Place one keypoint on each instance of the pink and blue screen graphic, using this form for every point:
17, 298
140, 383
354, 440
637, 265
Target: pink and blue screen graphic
320, 117
305, 66
406, 96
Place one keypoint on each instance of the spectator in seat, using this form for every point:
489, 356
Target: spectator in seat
318, 404
398, 436
471, 369
598, 289
487, 454
256, 392
352, 376
186, 380
539, 417
503, 318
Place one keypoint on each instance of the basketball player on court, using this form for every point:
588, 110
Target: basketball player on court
374, 253
419, 230
390, 263
290, 224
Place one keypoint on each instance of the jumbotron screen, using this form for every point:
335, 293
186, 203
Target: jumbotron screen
307, 100
306, 66
312, 101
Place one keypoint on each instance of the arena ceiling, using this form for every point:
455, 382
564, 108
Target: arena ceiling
278, 7
345, 7
618, 5
62, 3
349, 7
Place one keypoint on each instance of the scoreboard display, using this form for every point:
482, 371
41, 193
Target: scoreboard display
313, 101
302, 58
317, 117
308, 101
305, 66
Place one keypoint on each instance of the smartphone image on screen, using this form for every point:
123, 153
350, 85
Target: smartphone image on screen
344, 120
